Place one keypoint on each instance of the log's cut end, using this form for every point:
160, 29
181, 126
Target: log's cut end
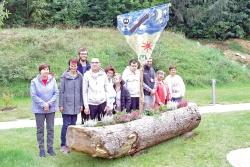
124, 139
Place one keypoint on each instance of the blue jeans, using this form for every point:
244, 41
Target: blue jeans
67, 120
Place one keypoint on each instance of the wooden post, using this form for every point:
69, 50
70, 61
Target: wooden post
141, 104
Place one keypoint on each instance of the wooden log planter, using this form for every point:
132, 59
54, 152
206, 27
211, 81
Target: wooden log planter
118, 140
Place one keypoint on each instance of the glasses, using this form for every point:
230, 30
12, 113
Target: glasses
83, 53
95, 62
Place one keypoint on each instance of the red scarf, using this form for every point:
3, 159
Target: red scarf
45, 81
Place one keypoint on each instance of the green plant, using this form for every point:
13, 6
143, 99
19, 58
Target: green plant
90, 123
3, 13
7, 98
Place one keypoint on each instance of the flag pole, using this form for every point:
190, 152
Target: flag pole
141, 103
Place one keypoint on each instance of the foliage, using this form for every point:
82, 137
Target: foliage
3, 13
220, 19
7, 98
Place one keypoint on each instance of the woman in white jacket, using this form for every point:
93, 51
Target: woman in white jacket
175, 84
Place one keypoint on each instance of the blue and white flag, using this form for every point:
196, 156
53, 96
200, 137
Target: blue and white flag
143, 28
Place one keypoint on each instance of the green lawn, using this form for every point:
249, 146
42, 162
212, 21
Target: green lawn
217, 135
228, 94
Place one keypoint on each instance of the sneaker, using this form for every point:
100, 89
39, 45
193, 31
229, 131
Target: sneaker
42, 153
65, 149
51, 152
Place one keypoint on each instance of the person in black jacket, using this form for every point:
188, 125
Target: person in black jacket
83, 66
149, 84
123, 99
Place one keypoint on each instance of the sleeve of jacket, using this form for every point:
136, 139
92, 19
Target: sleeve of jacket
61, 92
183, 88
34, 95
157, 98
81, 94
85, 85
55, 93
106, 89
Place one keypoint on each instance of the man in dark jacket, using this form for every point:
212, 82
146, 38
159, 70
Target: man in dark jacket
149, 84
83, 66
123, 99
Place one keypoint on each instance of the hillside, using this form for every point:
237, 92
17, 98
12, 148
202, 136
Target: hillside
22, 50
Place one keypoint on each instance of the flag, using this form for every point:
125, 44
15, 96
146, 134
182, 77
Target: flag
143, 28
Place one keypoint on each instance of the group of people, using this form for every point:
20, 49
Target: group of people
88, 89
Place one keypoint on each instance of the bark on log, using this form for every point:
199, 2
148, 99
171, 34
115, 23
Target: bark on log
124, 139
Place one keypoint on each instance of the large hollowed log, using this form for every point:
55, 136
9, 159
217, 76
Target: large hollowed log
128, 138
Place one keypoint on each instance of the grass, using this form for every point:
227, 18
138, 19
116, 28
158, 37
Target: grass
233, 45
226, 94
23, 49
217, 135
22, 111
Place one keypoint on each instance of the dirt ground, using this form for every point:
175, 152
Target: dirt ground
238, 56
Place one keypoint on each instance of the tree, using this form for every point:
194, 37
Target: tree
3, 13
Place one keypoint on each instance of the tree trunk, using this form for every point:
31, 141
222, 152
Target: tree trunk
123, 139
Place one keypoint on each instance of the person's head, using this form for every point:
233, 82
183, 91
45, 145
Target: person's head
110, 71
83, 54
134, 65
160, 75
117, 78
95, 64
149, 62
73, 64
44, 70
172, 70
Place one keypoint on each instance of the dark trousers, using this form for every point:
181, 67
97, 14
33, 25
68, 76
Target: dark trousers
134, 103
176, 99
67, 120
40, 118
84, 116
96, 111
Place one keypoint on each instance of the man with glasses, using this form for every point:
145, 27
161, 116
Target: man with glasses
83, 64
95, 91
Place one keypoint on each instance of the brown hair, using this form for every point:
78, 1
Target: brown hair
171, 67
109, 68
82, 50
43, 66
134, 61
73, 61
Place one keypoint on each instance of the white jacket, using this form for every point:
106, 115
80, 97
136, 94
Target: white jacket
132, 81
95, 88
176, 86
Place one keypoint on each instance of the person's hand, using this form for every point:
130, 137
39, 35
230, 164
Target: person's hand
61, 109
160, 103
86, 111
152, 92
46, 107
81, 109
106, 109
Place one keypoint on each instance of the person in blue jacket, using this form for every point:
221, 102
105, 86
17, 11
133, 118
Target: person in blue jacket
44, 93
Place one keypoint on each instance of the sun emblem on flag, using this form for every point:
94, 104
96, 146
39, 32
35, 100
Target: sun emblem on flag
147, 46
